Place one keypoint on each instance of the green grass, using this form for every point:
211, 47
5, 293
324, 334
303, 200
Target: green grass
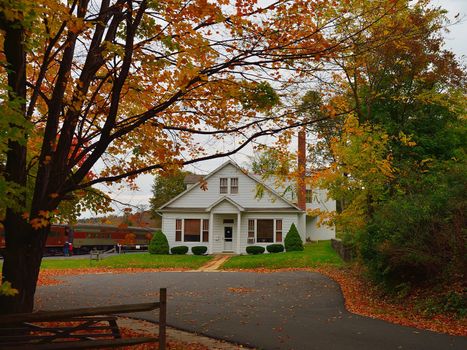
132, 260
315, 254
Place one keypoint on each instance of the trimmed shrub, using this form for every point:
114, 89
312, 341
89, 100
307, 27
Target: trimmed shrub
275, 248
293, 241
179, 250
254, 249
199, 250
159, 244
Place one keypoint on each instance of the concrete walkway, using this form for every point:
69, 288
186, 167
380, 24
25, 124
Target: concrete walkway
214, 264
282, 310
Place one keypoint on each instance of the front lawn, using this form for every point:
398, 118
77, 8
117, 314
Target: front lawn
130, 260
315, 254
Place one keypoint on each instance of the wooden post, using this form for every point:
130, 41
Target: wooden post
162, 318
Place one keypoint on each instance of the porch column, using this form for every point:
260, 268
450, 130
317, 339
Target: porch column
239, 219
211, 232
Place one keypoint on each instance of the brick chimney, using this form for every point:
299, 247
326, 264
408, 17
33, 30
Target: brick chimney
301, 157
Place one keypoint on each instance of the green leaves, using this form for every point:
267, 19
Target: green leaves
259, 96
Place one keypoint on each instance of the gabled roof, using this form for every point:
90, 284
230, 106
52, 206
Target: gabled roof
227, 199
246, 174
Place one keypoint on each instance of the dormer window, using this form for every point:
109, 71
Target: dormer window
224, 185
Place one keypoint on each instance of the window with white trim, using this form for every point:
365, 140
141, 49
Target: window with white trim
192, 230
224, 185
234, 185
264, 231
228, 185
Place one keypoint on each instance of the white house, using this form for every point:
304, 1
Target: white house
223, 213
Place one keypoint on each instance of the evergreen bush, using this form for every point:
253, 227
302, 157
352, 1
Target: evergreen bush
199, 250
293, 241
159, 244
255, 249
275, 248
179, 250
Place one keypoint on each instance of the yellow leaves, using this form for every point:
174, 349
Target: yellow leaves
406, 140
76, 25
7, 289
38, 223
42, 220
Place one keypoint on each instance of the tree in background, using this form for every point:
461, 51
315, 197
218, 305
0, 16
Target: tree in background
400, 155
166, 187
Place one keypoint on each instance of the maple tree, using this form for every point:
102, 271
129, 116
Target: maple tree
110, 89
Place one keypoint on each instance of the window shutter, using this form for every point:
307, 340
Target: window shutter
278, 230
178, 230
205, 230
251, 231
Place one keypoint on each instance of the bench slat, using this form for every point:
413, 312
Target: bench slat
92, 344
44, 316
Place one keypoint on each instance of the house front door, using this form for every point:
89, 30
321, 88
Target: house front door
228, 238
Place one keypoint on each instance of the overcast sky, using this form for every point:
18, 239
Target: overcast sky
455, 40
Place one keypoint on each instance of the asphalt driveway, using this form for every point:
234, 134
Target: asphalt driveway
281, 310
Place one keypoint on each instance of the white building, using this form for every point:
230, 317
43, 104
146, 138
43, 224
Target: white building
224, 213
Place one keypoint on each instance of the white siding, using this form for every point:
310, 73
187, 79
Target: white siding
317, 232
314, 231
321, 201
224, 207
197, 198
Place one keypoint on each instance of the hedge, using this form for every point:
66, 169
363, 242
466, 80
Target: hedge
199, 250
255, 249
275, 248
179, 250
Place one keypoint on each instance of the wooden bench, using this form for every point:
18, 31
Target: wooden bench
95, 255
24, 331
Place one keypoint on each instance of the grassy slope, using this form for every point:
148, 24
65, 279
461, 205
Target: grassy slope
315, 254
143, 260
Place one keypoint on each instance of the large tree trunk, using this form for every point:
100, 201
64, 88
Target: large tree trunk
23, 251
22, 262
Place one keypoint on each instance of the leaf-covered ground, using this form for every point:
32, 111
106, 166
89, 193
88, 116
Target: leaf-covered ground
363, 298
132, 328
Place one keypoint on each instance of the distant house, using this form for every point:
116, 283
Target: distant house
221, 211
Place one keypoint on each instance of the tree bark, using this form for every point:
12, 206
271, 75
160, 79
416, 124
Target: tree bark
23, 256
23, 251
